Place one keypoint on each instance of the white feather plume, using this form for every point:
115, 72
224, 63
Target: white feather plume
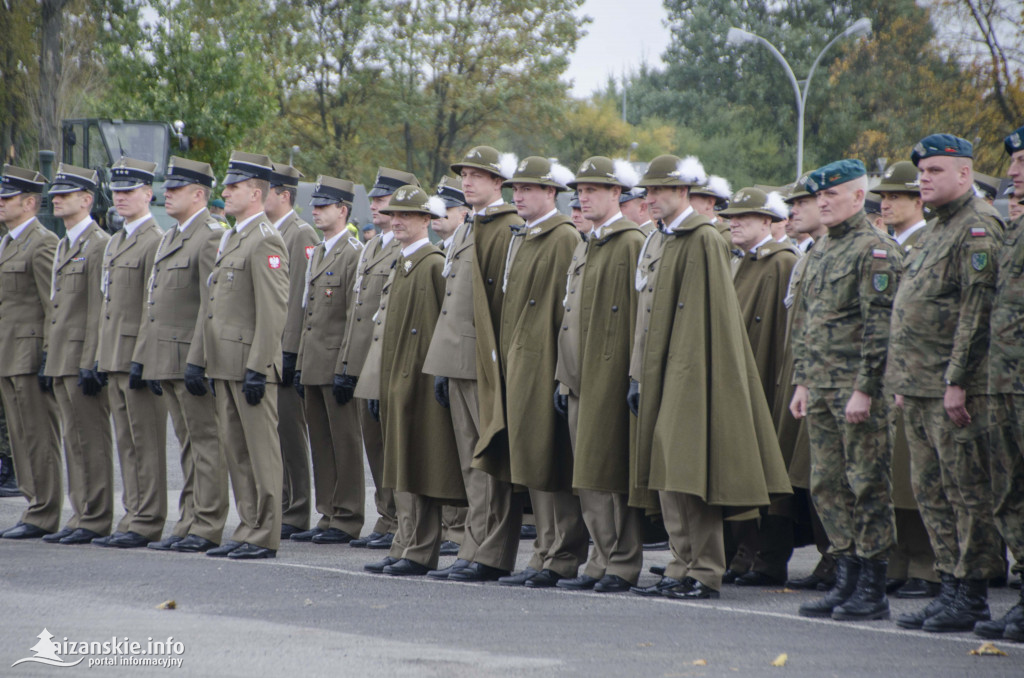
437, 207
775, 203
977, 191
690, 170
507, 163
719, 186
625, 173
561, 174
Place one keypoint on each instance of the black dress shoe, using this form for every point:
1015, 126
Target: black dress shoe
449, 548
658, 570
691, 589
80, 536
893, 585
441, 575
612, 583
164, 544
332, 536
519, 578
918, 588
528, 532
222, 550
105, 541
383, 542
24, 531
57, 536
288, 530
378, 567
808, 583
249, 551
306, 535
582, 582
193, 543
128, 540
476, 572
363, 541
545, 579
656, 546
406, 568
656, 589
753, 578
730, 576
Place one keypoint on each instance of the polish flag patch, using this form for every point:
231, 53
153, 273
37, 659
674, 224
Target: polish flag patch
309, 251
879, 254
274, 261
978, 232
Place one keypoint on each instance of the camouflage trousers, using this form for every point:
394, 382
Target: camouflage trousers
950, 475
851, 475
1006, 462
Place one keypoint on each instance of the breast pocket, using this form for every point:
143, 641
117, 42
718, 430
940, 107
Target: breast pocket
12, 276
233, 274
935, 279
840, 286
329, 289
178, 273
72, 277
126, 272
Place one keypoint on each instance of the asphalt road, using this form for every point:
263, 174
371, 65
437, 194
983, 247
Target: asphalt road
313, 612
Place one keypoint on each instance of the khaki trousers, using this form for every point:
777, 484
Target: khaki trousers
337, 460
913, 557
694, 537
373, 442
561, 543
34, 428
291, 429
140, 428
453, 523
248, 436
88, 450
494, 513
419, 529
203, 503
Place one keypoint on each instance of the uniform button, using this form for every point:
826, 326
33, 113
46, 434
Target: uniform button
565, 327
650, 289
175, 338
239, 337
532, 302
448, 293
108, 317
358, 303
757, 318
413, 331
152, 320
615, 309
444, 312
452, 276
680, 304
375, 338
490, 281
210, 316
567, 309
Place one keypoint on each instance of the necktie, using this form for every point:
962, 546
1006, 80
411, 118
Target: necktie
3, 243
61, 246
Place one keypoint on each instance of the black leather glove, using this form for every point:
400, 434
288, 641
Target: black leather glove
154, 387
374, 407
213, 387
561, 403
101, 377
254, 387
195, 379
297, 383
90, 384
441, 393
288, 364
633, 397
135, 376
344, 388
45, 383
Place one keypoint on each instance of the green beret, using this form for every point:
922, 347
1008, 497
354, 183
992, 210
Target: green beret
941, 144
1014, 142
834, 173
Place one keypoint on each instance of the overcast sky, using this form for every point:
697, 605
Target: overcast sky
622, 35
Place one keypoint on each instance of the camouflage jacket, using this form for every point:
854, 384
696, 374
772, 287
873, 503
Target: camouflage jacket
941, 314
841, 328
1006, 350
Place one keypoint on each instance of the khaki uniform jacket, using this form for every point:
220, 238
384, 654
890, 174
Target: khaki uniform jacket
374, 267
176, 299
328, 292
453, 349
600, 312
77, 303
248, 294
539, 449
1006, 350
26, 265
299, 240
704, 426
127, 262
646, 271
420, 455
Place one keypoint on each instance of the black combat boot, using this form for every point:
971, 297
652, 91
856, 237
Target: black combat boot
847, 574
868, 600
996, 628
947, 594
969, 607
8, 483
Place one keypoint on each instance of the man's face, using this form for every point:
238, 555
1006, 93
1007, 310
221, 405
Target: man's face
778, 229
703, 204
803, 214
277, 203
664, 201
133, 204
581, 224
746, 230
69, 205
329, 218
943, 179
380, 220
1016, 209
17, 209
838, 203
635, 210
446, 225
369, 233
480, 188
409, 227
1016, 173
182, 202
598, 202
900, 208
532, 201
239, 197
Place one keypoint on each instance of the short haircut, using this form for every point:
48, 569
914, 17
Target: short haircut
290, 190
262, 185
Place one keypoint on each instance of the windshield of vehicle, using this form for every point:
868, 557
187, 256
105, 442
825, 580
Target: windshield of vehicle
139, 140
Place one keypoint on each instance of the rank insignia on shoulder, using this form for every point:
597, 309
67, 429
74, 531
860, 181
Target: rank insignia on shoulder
407, 266
979, 260
356, 245
309, 251
880, 281
265, 229
978, 232
274, 261
214, 226
879, 254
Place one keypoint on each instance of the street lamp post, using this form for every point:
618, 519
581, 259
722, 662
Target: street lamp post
738, 36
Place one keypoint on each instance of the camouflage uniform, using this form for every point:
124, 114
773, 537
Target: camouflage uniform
1006, 386
840, 346
940, 332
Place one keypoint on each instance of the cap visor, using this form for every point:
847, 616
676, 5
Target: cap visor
378, 191
317, 201
178, 182
10, 192
236, 178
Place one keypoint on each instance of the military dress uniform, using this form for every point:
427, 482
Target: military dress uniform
140, 416
26, 265
170, 338
77, 301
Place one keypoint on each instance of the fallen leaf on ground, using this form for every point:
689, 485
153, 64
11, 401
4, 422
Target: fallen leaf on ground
988, 649
700, 662
780, 660
167, 605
